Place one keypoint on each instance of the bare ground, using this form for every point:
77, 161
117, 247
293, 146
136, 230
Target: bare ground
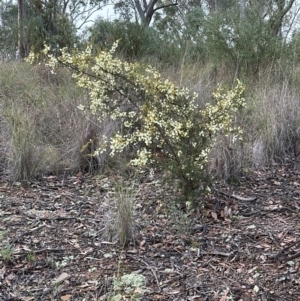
243, 245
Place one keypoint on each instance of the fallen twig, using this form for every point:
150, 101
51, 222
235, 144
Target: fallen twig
238, 197
148, 267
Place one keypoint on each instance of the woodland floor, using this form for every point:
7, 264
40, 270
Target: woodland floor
243, 245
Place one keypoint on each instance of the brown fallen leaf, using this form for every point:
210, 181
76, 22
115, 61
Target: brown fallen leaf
66, 297
62, 277
214, 215
2, 272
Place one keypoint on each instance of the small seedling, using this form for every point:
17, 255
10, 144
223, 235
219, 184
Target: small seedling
31, 257
7, 253
64, 262
129, 285
235, 218
3, 234
49, 261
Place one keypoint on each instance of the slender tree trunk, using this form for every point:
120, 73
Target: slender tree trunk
243, 8
276, 20
147, 9
22, 35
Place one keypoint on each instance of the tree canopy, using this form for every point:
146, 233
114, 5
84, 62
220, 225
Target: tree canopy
245, 33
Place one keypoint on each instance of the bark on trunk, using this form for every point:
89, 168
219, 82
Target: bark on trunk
22, 47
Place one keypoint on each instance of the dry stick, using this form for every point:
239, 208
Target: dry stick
240, 198
148, 267
16, 239
200, 253
237, 197
167, 282
41, 251
292, 257
281, 253
266, 211
55, 218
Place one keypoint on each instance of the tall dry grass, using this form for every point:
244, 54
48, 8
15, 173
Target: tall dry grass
43, 131
273, 122
270, 122
41, 128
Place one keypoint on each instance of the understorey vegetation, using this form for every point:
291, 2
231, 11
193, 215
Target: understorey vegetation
161, 124
152, 155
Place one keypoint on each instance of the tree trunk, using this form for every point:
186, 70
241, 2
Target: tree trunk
22, 45
147, 9
276, 21
216, 5
243, 8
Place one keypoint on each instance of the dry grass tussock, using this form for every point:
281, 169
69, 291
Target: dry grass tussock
273, 122
118, 225
271, 125
41, 127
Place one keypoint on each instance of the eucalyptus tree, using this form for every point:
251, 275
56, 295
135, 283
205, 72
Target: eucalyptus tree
8, 29
22, 45
52, 21
142, 11
246, 34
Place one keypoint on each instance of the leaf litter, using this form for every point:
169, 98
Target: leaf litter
243, 245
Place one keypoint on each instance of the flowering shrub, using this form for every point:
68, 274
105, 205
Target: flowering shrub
160, 122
